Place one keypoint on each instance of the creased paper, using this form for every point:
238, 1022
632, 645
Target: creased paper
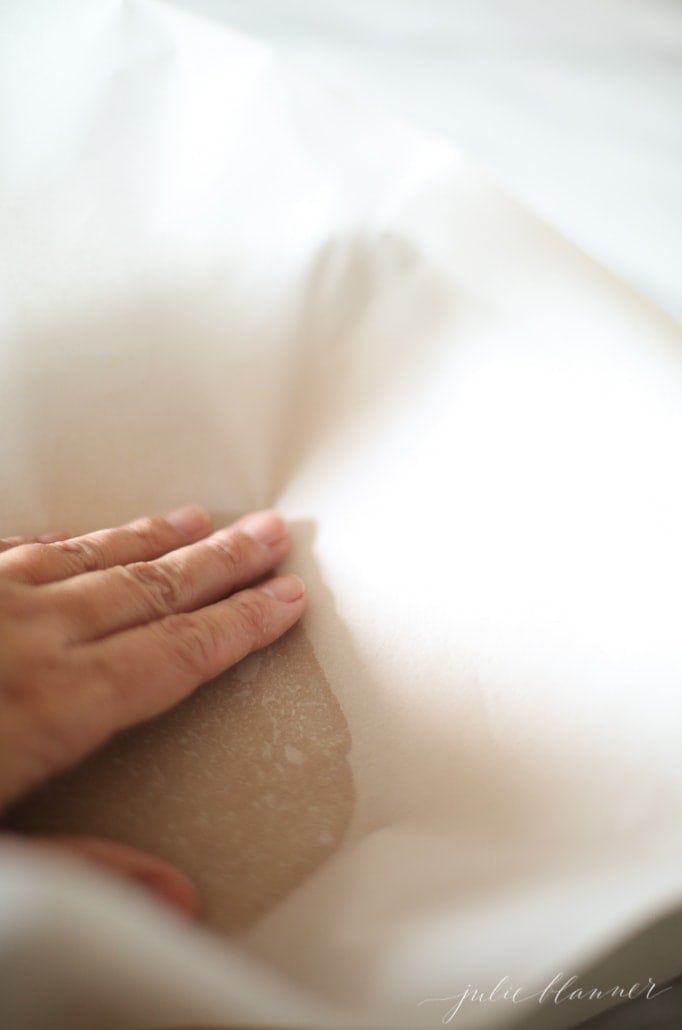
219, 283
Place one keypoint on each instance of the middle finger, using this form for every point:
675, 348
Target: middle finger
97, 604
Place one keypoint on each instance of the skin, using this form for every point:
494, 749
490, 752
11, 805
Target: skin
102, 631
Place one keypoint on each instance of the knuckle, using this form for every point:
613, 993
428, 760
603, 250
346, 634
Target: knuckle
195, 643
25, 691
162, 589
31, 560
84, 555
104, 678
100, 668
148, 531
254, 619
232, 552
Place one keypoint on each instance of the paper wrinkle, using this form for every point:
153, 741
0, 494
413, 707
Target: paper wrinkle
475, 433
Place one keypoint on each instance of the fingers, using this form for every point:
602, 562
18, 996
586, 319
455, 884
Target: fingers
140, 672
8, 542
181, 581
159, 877
141, 540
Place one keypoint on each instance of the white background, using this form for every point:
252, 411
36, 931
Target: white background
574, 105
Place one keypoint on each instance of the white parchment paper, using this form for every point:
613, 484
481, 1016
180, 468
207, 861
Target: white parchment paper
219, 282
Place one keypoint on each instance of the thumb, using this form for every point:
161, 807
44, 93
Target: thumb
163, 880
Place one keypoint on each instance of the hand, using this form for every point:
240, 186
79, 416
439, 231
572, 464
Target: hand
99, 632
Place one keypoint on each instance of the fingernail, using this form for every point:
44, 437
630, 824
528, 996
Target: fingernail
284, 588
190, 520
267, 527
175, 889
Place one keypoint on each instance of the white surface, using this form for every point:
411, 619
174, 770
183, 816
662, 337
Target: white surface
574, 105
220, 282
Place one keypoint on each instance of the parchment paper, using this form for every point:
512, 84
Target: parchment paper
219, 282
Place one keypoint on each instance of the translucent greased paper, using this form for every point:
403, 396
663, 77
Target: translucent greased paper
219, 283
